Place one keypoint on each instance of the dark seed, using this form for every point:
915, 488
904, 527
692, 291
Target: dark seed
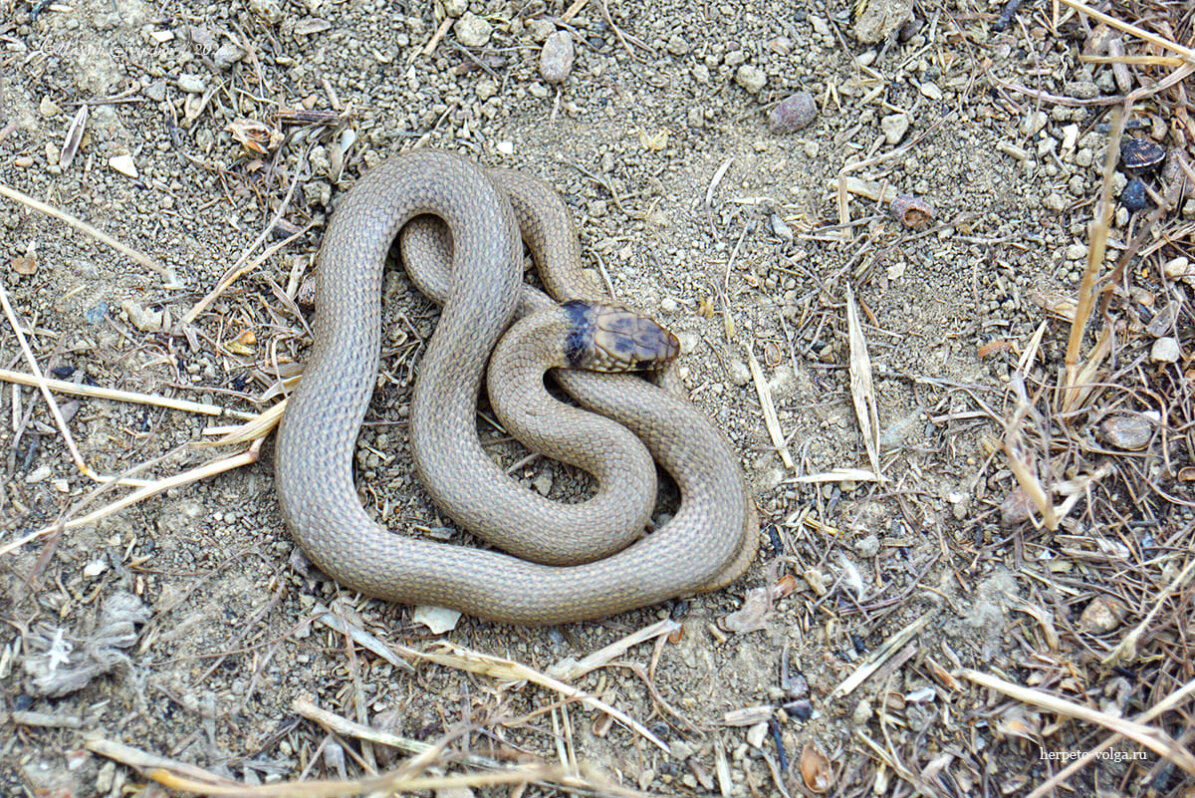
1134, 197
1140, 154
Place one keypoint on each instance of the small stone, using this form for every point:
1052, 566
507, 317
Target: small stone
94, 568
677, 45
931, 91
868, 546
751, 78
1165, 350
124, 164
39, 474
227, 55
485, 89
757, 734
155, 91
438, 619
1101, 615
143, 319
1134, 197
540, 29
192, 84
739, 373
268, 10
793, 113
542, 484
1033, 122
556, 57
49, 108
895, 126
455, 8
96, 313
1081, 89
1076, 252
471, 30
1054, 202
1179, 269
1129, 431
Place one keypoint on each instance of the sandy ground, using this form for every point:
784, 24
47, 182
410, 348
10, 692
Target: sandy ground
191, 609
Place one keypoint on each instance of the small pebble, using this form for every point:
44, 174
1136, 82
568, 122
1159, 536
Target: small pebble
739, 373
1033, 122
268, 10
1165, 350
677, 45
540, 29
1054, 202
1129, 431
1179, 269
143, 319
894, 126
124, 164
227, 55
1134, 197
556, 57
192, 84
751, 78
96, 313
94, 568
1101, 615
49, 108
793, 113
39, 474
156, 91
471, 30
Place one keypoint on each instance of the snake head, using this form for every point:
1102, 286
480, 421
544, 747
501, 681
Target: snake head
613, 339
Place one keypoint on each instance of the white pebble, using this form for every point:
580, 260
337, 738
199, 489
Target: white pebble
1165, 350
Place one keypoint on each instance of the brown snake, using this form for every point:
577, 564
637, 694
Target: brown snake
708, 543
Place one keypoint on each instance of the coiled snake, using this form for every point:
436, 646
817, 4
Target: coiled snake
707, 544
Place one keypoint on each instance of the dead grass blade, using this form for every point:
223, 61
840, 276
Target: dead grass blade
1126, 651
570, 669
499, 668
1150, 737
879, 656
1186, 53
181, 776
862, 390
1095, 259
768, 406
95, 392
204, 471
1165, 705
82, 226
1021, 465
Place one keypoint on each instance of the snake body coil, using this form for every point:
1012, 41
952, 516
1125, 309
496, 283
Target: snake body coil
707, 544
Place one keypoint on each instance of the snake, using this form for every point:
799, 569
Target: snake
484, 217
